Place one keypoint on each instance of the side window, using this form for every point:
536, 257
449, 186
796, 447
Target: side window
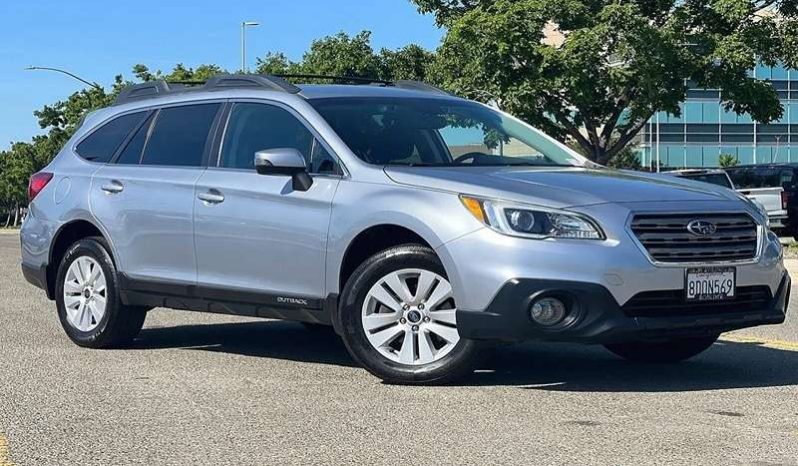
180, 135
131, 154
254, 127
101, 145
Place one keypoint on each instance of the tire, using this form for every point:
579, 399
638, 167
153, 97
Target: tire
117, 325
666, 352
433, 359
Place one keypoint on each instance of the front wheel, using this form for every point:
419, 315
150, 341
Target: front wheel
399, 319
669, 351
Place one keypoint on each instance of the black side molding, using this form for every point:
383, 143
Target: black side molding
223, 301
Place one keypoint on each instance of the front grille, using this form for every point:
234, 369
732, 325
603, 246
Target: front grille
667, 239
672, 303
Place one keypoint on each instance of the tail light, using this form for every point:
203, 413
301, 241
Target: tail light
37, 182
785, 197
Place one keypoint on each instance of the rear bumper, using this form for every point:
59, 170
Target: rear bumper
601, 319
36, 276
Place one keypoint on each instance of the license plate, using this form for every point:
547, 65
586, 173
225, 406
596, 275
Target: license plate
710, 283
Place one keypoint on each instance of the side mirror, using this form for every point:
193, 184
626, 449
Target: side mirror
284, 161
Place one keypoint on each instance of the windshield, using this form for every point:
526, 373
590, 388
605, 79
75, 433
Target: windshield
437, 132
712, 178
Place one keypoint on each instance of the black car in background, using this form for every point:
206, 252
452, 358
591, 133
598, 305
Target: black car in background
777, 175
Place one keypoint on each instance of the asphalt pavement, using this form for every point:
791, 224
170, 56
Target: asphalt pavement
207, 389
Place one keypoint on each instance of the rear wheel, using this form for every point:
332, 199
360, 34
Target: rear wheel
87, 297
399, 319
669, 351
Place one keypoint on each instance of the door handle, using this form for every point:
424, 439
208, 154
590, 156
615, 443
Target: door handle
212, 196
113, 187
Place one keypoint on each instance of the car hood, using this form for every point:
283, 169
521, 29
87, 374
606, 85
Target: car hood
559, 187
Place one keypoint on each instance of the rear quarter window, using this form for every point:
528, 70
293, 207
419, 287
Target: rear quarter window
101, 145
180, 135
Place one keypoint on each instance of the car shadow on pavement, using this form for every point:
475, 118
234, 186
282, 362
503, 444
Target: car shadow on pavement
541, 366
578, 368
264, 339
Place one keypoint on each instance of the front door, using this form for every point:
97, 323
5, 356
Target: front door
254, 233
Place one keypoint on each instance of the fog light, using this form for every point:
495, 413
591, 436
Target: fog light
548, 311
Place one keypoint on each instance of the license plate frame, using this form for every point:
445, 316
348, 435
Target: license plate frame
710, 284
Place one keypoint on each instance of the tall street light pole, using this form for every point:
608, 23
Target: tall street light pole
244, 25
58, 70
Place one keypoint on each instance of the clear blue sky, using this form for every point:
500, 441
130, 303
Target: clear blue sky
98, 39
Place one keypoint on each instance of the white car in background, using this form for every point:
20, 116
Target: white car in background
770, 201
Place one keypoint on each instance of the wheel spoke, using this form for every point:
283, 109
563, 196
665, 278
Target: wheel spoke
425, 283
93, 274
399, 287
407, 352
73, 313
99, 287
72, 302
375, 321
80, 272
441, 293
447, 333
72, 287
99, 301
385, 336
379, 293
447, 316
426, 350
96, 313
85, 317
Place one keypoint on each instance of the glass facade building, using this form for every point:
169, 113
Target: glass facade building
705, 130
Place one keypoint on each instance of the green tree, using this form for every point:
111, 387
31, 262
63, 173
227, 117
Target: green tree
277, 63
617, 63
727, 161
342, 55
354, 56
409, 62
16, 167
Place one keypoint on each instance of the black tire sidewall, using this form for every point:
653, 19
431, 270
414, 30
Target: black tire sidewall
95, 249
458, 362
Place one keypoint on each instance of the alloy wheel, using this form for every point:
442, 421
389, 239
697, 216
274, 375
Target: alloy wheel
409, 316
85, 294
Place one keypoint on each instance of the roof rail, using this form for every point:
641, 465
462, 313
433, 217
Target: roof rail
159, 88
401, 84
226, 81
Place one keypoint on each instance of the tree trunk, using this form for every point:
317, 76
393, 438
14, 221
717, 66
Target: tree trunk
16, 216
599, 155
8, 219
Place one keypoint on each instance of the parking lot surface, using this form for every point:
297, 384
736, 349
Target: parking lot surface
205, 389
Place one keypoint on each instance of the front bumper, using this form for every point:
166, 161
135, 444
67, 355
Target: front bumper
601, 319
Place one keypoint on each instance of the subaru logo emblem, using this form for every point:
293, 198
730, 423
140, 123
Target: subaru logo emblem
701, 228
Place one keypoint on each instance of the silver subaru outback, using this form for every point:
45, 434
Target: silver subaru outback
420, 226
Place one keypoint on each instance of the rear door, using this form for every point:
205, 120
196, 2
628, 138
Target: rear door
145, 199
254, 233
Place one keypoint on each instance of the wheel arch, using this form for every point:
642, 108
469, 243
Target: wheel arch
65, 236
372, 240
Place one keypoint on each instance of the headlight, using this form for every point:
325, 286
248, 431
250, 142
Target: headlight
526, 222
